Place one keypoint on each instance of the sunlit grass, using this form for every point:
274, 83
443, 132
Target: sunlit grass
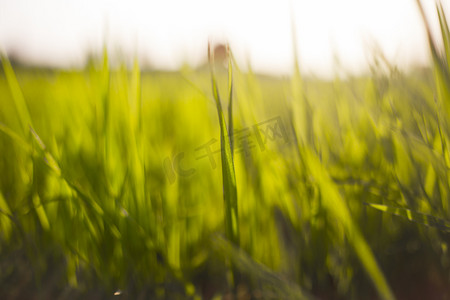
321, 189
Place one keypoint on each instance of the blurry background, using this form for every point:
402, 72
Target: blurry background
342, 186
166, 34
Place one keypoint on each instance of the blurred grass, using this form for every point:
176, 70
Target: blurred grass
110, 175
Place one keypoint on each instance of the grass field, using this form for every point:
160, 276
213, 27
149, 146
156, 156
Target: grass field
117, 182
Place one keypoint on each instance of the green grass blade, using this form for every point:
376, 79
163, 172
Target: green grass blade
230, 103
445, 32
413, 216
19, 100
5, 218
228, 173
440, 61
336, 206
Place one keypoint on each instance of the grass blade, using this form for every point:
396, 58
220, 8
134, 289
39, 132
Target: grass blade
413, 216
336, 206
228, 173
230, 102
16, 92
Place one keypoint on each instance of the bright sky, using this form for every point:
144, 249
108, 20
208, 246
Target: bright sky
168, 33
